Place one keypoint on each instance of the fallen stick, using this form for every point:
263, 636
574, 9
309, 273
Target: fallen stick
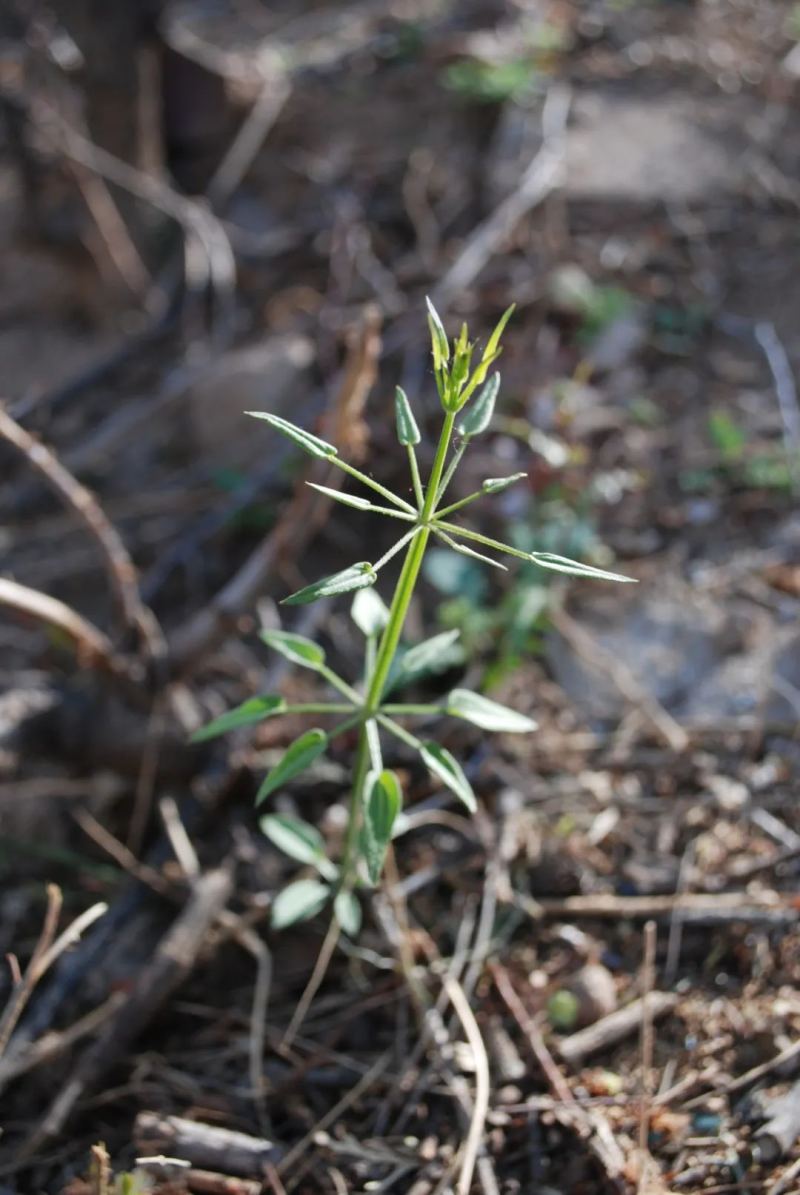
613, 1028
693, 908
121, 569
206, 1146
206, 1183
94, 648
172, 962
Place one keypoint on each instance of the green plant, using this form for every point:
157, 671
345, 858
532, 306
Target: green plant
376, 798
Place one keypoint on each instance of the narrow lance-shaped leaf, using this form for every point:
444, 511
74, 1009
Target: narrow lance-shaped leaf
447, 769
573, 568
407, 430
358, 576
439, 341
303, 439
479, 413
348, 912
299, 840
369, 612
384, 799
300, 755
494, 339
463, 550
339, 496
255, 709
295, 648
494, 485
430, 653
298, 902
489, 715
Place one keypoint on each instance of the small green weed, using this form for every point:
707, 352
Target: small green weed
468, 394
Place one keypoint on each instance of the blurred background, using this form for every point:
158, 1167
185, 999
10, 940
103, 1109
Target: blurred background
224, 205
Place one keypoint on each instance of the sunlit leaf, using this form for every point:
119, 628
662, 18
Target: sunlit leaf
439, 342
298, 902
299, 840
295, 648
357, 576
300, 755
374, 743
465, 551
489, 715
339, 496
561, 564
478, 414
407, 430
384, 799
494, 340
255, 709
494, 485
302, 438
447, 769
369, 612
428, 654
348, 913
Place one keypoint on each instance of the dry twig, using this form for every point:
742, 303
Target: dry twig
172, 962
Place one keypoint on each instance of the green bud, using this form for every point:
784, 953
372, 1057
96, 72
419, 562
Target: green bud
480, 412
495, 485
439, 341
407, 430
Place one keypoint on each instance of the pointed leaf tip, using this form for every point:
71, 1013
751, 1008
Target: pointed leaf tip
489, 715
295, 648
446, 768
494, 339
254, 710
358, 576
573, 568
297, 757
340, 496
439, 342
494, 485
298, 435
407, 430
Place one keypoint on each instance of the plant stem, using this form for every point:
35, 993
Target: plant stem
388, 644
412, 461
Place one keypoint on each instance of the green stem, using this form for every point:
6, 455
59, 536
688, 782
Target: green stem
400, 732
412, 461
388, 645
337, 683
451, 468
317, 707
457, 505
454, 529
410, 708
362, 477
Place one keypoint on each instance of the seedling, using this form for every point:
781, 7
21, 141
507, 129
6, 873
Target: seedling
468, 397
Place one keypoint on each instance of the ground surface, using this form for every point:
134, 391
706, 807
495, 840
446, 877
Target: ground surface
648, 394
